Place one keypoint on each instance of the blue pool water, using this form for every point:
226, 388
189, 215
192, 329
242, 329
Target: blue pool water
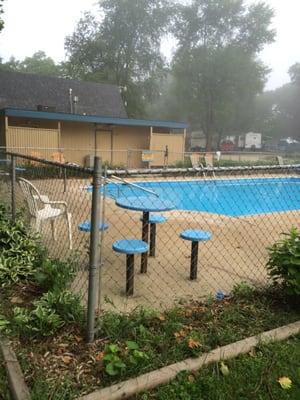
233, 197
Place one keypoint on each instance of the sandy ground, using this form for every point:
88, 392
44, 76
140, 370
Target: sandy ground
236, 253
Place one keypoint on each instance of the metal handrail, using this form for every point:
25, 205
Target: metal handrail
131, 184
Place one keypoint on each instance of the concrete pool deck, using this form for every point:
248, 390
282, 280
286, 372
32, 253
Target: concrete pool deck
237, 252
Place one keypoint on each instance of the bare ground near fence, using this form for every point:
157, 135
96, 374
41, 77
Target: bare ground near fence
237, 252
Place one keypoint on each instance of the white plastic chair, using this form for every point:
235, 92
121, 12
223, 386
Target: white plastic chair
34, 199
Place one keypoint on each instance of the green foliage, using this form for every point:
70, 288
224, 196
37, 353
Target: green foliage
22, 259
216, 72
38, 63
4, 324
54, 274
48, 314
65, 304
284, 262
112, 361
116, 359
20, 252
278, 111
1, 12
41, 321
243, 290
124, 49
251, 376
186, 163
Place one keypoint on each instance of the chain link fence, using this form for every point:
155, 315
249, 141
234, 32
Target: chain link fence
243, 210
161, 158
48, 194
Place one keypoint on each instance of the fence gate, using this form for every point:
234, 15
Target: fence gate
175, 144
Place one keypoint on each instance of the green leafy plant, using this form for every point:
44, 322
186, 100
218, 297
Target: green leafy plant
115, 357
242, 290
135, 355
284, 262
4, 324
112, 360
65, 304
54, 274
20, 251
49, 313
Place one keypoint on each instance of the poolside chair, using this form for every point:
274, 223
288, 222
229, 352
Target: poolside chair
209, 163
195, 160
280, 160
40, 209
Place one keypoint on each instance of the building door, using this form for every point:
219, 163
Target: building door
104, 145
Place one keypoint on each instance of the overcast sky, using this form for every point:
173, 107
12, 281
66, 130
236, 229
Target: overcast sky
34, 25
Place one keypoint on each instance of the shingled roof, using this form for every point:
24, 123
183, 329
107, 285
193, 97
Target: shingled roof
27, 91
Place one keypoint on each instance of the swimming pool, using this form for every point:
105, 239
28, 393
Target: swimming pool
232, 197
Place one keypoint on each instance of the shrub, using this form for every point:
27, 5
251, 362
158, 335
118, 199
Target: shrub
20, 252
41, 321
186, 163
54, 274
51, 312
284, 262
65, 304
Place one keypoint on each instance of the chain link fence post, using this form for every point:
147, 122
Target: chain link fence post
94, 250
13, 188
102, 223
65, 179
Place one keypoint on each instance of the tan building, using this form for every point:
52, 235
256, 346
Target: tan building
44, 115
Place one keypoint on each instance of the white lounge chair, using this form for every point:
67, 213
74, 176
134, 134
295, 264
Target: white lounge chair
280, 160
40, 209
195, 161
209, 163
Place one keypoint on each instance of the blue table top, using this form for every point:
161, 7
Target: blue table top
145, 204
195, 235
131, 246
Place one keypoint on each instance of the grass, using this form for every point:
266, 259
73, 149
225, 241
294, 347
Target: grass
64, 366
252, 376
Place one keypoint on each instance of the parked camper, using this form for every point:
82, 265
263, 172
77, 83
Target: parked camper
250, 141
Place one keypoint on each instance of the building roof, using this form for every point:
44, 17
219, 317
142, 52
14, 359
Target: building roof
27, 91
96, 119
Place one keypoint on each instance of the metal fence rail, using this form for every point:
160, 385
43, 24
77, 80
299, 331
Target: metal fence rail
243, 210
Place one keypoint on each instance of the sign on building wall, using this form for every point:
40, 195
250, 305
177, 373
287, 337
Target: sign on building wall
147, 156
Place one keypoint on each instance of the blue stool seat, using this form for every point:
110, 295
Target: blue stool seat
155, 219
195, 235
86, 227
130, 246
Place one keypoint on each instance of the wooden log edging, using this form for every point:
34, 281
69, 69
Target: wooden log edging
161, 376
16, 381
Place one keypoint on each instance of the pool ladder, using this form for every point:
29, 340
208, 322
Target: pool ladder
125, 182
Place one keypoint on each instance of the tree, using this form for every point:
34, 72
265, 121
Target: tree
278, 111
216, 66
1, 12
123, 48
294, 72
38, 63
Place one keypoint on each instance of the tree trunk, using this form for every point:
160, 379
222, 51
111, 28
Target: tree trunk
209, 124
